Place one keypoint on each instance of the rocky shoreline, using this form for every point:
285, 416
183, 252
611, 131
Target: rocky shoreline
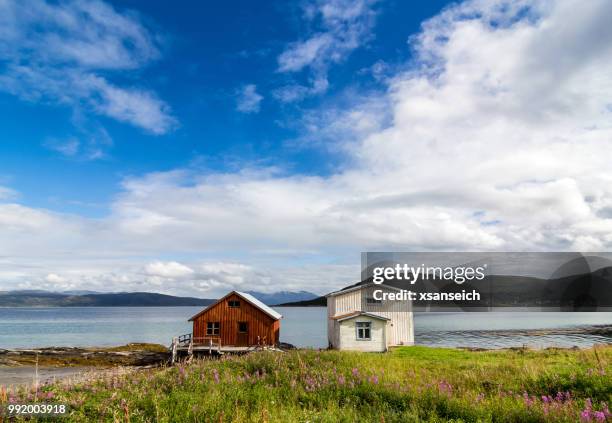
141, 354
129, 355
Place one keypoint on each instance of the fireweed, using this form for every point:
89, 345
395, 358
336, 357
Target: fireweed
407, 384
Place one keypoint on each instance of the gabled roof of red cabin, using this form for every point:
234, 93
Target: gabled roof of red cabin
248, 298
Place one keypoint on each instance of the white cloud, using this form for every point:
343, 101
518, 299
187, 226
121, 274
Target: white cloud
341, 124
379, 70
296, 92
136, 106
345, 25
170, 269
497, 138
57, 52
69, 147
304, 53
90, 144
249, 100
54, 279
7, 193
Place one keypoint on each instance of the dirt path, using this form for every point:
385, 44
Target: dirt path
24, 375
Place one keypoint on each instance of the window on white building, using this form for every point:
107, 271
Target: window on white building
364, 330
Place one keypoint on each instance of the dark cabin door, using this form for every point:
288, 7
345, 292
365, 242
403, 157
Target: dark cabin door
242, 340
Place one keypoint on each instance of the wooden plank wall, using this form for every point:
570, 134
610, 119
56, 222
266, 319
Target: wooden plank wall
260, 324
401, 328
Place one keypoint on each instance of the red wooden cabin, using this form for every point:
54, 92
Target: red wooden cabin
238, 319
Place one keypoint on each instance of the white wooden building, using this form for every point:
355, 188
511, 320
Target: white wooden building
357, 321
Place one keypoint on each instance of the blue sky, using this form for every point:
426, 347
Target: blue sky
207, 55
193, 148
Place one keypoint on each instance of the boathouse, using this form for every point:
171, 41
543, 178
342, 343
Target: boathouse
237, 320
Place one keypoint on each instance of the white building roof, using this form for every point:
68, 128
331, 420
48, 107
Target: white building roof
357, 314
359, 287
266, 309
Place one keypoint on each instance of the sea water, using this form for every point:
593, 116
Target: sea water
301, 326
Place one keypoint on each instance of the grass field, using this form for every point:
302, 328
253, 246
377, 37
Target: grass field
407, 384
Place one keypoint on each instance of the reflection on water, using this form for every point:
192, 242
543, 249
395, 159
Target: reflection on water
511, 329
303, 327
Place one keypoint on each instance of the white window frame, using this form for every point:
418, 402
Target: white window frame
213, 328
363, 326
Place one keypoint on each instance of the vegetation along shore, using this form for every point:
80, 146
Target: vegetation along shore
406, 384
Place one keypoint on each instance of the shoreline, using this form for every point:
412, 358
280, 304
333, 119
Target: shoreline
57, 364
12, 376
134, 354
19, 367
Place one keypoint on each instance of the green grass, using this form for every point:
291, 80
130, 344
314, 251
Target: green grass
138, 346
408, 384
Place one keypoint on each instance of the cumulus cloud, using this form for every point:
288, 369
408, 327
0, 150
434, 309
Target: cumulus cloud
59, 52
497, 137
54, 279
343, 26
6, 193
170, 269
249, 100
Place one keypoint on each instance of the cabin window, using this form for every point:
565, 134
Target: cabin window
212, 328
364, 330
370, 300
243, 327
233, 303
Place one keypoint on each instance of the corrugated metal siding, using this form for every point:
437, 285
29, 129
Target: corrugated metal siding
331, 311
400, 312
346, 303
259, 323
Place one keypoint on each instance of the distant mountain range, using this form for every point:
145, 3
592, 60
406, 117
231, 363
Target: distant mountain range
39, 298
119, 299
577, 290
283, 297
313, 302
573, 291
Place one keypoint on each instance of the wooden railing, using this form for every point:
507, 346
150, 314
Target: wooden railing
184, 339
188, 338
189, 341
212, 342
207, 340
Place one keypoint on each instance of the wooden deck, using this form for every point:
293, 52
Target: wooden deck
187, 345
224, 349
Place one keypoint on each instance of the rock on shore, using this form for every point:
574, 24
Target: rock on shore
128, 355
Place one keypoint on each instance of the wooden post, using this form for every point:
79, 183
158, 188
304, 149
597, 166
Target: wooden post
174, 347
36, 376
